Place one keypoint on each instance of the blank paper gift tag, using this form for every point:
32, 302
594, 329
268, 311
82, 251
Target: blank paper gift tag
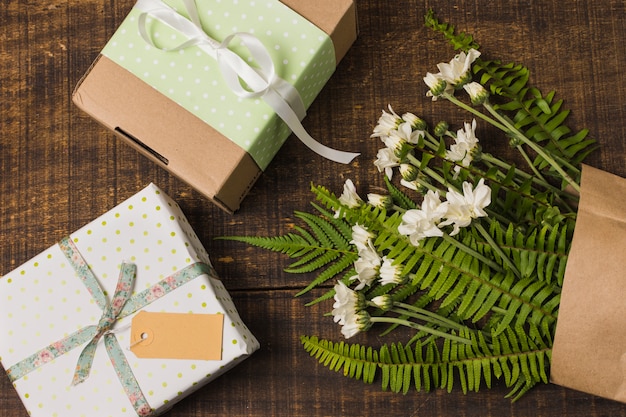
177, 336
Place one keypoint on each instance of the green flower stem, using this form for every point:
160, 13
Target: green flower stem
495, 215
540, 151
435, 316
503, 124
559, 194
501, 164
472, 252
416, 326
499, 310
433, 319
532, 166
496, 248
426, 184
433, 143
475, 112
428, 171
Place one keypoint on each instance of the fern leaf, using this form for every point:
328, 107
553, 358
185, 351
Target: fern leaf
460, 41
512, 356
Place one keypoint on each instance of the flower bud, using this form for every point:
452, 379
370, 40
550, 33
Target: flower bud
415, 122
402, 150
384, 302
463, 79
380, 201
436, 83
477, 93
515, 142
408, 172
441, 128
362, 318
477, 153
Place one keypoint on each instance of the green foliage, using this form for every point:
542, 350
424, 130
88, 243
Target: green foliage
324, 246
483, 303
460, 41
450, 274
514, 357
540, 118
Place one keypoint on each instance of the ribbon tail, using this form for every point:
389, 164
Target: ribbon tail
83, 366
285, 112
126, 376
289, 93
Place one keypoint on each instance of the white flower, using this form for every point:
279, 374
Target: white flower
415, 122
349, 197
419, 224
467, 135
386, 123
477, 92
389, 273
394, 141
408, 172
465, 143
386, 159
409, 184
380, 201
384, 302
346, 303
356, 323
360, 237
437, 85
350, 328
462, 208
405, 131
457, 72
366, 266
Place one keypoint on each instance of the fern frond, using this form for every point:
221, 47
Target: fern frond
540, 118
459, 41
513, 356
325, 247
399, 198
539, 253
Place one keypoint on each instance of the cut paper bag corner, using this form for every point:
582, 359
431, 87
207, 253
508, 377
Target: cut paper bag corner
589, 352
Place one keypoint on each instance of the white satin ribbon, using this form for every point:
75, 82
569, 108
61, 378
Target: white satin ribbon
262, 82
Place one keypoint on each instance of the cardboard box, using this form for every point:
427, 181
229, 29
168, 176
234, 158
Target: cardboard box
49, 306
204, 134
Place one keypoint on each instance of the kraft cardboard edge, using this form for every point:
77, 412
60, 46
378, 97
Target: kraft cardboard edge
336, 18
155, 126
225, 177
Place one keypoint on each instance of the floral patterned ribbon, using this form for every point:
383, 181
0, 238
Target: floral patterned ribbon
120, 306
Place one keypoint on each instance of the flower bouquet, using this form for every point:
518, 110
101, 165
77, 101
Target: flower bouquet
466, 250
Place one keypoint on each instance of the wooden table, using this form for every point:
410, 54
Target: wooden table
60, 169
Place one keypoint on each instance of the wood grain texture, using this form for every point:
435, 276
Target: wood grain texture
59, 170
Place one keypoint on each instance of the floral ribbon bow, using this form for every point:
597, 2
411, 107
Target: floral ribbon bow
244, 80
110, 315
120, 306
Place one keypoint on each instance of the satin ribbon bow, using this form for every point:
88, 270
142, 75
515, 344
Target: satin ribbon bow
110, 315
244, 80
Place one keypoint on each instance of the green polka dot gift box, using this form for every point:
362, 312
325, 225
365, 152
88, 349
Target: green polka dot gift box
70, 336
211, 89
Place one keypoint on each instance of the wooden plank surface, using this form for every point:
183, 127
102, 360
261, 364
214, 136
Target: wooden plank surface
59, 170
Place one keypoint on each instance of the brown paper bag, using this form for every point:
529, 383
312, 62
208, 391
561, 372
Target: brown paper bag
589, 352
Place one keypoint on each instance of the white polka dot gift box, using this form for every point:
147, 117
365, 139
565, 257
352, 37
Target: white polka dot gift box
211, 89
124, 317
